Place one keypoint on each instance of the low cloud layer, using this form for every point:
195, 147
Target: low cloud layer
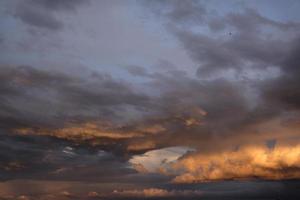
157, 192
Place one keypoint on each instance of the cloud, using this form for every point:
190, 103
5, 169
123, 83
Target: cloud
58, 4
48, 98
38, 18
49, 190
283, 91
244, 94
157, 192
43, 157
154, 160
281, 162
190, 12
242, 39
95, 109
238, 110
43, 14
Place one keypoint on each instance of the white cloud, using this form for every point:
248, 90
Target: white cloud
153, 160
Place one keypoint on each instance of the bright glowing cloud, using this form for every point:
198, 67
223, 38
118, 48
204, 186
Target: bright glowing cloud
153, 161
281, 162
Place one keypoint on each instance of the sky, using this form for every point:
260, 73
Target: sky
149, 99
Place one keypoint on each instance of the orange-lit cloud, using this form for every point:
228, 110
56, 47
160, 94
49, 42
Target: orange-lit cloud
141, 145
90, 130
140, 168
12, 166
282, 162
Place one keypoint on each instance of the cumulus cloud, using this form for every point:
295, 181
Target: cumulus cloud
279, 163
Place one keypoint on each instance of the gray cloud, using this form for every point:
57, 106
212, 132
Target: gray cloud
244, 39
284, 91
38, 18
188, 110
40, 157
31, 96
188, 12
59, 4
43, 14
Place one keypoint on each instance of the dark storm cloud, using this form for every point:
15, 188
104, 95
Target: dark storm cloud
194, 112
37, 98
38, 18
284, 91
187, 12
92, 108
42, 157
244, 43
188, 110
51, 103
22, 157
237, 40
32, 97
59, 4
43, 14
247, 41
